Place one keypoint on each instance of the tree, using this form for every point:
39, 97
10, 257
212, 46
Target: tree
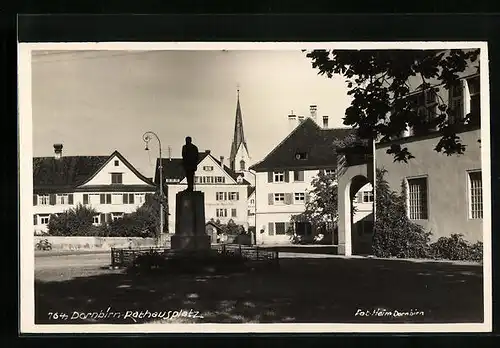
378, 82
321, 209
76, 221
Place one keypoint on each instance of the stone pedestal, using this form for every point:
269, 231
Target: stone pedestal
190, 222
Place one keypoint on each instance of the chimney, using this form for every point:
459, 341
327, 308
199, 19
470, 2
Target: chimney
292, 121
222, 161
301, 119
207, 152
313, 109
325, 121
58, 150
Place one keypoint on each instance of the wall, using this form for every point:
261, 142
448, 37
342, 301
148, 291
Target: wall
448, 198
103, 177
94, 201
95, 243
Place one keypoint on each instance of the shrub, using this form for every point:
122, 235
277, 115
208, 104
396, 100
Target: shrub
73, 222
456, 248
395, 235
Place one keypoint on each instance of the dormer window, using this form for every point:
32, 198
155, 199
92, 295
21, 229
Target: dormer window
117, 163
117, 178
301, 155
208, 168
240, 179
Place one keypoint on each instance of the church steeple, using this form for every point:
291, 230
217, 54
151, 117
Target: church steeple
239, 150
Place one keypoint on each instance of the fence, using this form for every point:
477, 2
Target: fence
122, 257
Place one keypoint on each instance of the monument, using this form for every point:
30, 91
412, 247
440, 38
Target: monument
190, 207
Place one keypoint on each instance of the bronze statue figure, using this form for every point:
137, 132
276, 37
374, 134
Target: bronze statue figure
190, 158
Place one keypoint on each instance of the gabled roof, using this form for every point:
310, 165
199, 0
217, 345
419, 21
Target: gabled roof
65, 172
309, 138
69, 172
251, 189
172, 168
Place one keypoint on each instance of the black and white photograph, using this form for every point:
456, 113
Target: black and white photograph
255, 187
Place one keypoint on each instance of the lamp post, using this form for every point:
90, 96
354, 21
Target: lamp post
147, 137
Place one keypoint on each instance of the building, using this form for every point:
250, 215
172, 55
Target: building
284, 176
251, 206
444, 193
109, 184
239, 158
225, 191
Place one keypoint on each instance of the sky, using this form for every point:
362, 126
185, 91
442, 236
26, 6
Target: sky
95, 102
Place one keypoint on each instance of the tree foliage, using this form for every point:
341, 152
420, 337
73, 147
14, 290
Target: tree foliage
321, 209
395, 235
76, 221
377, 80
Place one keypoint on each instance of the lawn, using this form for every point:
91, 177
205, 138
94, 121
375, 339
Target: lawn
302, 290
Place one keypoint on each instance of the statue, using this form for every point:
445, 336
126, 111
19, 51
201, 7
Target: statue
190, 158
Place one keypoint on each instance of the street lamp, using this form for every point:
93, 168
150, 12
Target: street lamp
147, 137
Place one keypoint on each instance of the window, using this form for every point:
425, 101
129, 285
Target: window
96, 220
279, 228
234, 196
128, 198
475, 99
329, 171
116, 216
117, 163
242, 165
299, 197
475, 195
208, 168
279, 197
140, 198
233, 212
279, 176
44, 219
220, 179
117, 199
298, 175
105, 198
221, 212
221, 196
367, 196
43, 199
62, 198
417, 198
456, 95
301, 155
425, 105
116, 178
252, 201
85, 198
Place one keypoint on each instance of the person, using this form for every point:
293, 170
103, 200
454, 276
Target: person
190, 158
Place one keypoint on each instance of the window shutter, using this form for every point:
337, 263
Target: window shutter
131, 198
85, 198
288, 198
34, 220
103, 198
108, 198
287, 226
269, 176
103, 218
237, 196
108, 217
125, 198
70, 198
359, 197
287, 176
271, 228
52, 199
301, 175
270, 198
35, 199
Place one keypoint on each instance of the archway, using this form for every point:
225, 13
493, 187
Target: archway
355, 228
